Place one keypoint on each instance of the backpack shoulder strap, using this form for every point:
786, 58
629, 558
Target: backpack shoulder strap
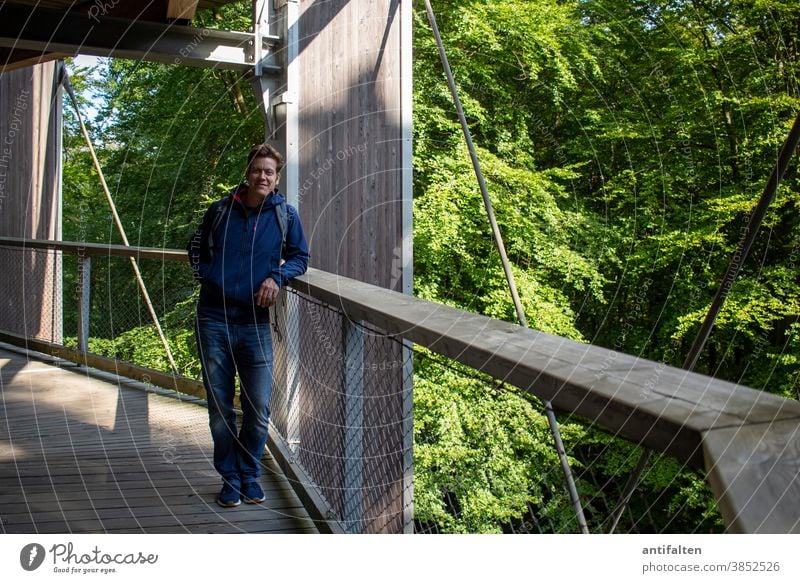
222, 209
283, 219
282, 213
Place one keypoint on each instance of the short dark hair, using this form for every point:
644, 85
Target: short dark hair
264, 151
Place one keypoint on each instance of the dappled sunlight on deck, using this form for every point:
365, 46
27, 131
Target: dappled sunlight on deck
80, 454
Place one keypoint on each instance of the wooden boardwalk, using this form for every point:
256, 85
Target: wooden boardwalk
83, 455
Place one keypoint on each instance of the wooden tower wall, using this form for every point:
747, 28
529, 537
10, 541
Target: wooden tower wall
30, 200
351, 139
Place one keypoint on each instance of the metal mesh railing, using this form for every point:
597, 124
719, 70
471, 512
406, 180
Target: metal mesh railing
41, 299
342, 392
344, 411
492, 465
30, 293
119, 310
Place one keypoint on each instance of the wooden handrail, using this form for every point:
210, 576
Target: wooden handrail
96, 249
748, 441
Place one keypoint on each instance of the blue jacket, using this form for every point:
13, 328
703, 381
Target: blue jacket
242, 251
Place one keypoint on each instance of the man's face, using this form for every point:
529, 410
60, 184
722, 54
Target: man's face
263, 176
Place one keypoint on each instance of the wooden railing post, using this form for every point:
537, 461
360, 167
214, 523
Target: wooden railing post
353, 337
85, 300
291, 314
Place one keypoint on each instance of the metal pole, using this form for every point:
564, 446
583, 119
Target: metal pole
735, 265
117, 221
749, 235
85, 279
630, 486
498, 239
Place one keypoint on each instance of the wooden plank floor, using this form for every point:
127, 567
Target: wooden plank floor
82, 455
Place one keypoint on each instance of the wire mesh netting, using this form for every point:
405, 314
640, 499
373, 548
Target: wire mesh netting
120, 316
41, 299
344, 409
504, 459
120, 324
30, 293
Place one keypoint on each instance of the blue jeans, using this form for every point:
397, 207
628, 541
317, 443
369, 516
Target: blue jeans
226, 348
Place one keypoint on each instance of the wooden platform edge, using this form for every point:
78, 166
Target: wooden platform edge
110, 365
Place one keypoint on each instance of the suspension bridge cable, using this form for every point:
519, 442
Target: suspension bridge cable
498, 239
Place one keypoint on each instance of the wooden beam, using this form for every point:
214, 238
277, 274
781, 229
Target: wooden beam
303, 485
72, 32
111, 365
754, 472
181, 9
97, 249
11, 59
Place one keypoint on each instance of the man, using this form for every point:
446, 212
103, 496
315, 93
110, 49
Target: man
248, 246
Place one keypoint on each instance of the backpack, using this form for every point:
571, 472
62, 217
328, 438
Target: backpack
281, 212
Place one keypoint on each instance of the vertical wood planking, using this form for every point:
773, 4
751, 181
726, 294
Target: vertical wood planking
30, 161
350, 166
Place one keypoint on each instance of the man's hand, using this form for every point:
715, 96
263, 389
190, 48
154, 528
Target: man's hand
267, 293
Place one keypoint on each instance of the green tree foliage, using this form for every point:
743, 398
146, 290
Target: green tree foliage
697, 98
641, 134
482, 454
510, 59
